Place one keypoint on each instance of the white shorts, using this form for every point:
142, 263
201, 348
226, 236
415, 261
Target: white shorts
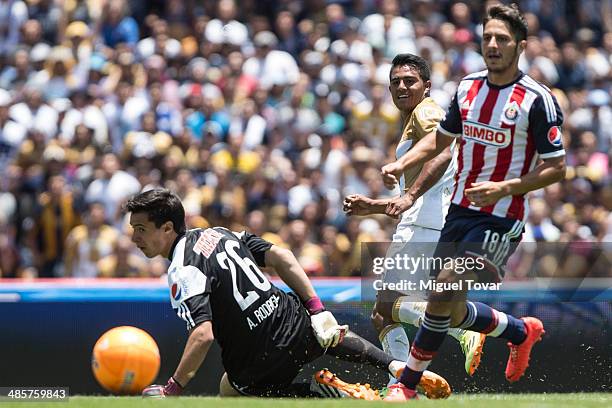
414, 233
414, 245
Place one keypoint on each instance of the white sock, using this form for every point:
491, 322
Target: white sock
407, 311
395, 343
456, 333
410, 312
395, 366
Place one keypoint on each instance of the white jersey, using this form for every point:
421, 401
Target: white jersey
429, 210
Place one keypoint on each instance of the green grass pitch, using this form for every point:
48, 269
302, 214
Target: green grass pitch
459, 400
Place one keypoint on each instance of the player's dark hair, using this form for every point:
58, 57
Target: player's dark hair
160, 205
414, 61
512, 16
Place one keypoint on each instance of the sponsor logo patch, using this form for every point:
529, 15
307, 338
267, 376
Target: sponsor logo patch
428, 113
175, 290
486, 135
554, 136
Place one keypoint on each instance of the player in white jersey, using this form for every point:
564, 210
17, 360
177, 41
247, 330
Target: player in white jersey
425, 193
504, 122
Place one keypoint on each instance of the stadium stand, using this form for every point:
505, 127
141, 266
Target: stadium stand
262, 115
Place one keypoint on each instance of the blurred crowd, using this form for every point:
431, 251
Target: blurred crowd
261, 115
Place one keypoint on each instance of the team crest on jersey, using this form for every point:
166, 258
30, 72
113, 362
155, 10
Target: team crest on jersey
511, 112
486, 135
554, 136
426, 113
176, 292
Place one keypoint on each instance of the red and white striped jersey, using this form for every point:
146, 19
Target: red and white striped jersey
503, 131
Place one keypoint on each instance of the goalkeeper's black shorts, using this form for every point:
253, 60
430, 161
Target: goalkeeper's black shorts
276, 366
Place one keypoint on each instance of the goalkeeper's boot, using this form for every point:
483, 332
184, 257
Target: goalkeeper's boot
398, 392
434, 386
519, 353
471, 343
330, 385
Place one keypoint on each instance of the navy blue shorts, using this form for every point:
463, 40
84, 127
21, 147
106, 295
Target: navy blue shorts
486, 238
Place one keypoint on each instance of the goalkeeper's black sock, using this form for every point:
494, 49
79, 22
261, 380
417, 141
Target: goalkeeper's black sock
356, 349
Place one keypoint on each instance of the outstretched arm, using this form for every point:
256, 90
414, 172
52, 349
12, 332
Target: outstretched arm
198, 343
357, 204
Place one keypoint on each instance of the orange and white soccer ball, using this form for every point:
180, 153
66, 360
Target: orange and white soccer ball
125, 360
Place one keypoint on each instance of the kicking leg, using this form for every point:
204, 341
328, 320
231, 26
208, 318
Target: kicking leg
452, 306
430, 335
404, 309
521, 333
356, 349
394, 307
391, 334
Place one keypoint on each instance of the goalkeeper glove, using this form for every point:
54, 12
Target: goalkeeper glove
171, 389
326, 329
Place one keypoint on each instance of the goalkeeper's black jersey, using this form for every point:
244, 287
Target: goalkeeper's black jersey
215, 275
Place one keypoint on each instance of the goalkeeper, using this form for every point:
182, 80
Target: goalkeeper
266, 335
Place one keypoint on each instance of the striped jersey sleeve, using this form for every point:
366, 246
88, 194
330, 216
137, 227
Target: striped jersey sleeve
451, 124
190, 292
545, 120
